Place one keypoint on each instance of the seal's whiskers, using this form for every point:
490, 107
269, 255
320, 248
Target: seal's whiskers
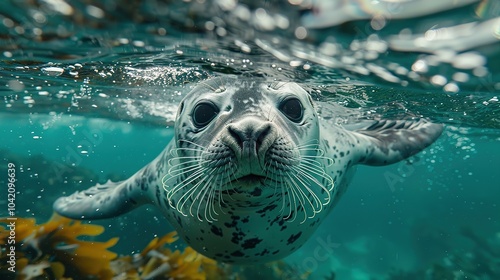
304, 186
192, 183
202, 194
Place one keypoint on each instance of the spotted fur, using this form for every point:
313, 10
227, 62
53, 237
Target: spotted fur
222, 186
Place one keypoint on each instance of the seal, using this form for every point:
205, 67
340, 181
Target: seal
252, 170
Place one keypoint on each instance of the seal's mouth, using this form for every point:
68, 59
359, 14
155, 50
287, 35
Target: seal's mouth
250, 178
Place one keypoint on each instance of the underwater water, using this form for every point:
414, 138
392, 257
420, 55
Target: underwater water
90, 92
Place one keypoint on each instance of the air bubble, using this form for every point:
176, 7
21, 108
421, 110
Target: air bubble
16, 85
221, 31
468, 60
451, 87
138, 44
420, 66
460, 77
438, 80
53, 71
95, 11
300, 32
209, 25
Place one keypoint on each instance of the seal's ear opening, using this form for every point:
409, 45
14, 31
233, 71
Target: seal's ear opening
181, 108
386, 142
310, 100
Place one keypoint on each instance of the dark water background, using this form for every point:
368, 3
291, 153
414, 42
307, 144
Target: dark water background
90, 91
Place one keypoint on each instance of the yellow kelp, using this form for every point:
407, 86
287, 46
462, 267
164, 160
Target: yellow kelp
157, 261
53, 249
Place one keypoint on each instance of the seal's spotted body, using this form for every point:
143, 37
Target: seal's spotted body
252, 170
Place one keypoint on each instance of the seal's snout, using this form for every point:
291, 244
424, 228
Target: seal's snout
248, 136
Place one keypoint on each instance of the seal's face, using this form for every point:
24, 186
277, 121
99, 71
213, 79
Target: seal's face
244, 145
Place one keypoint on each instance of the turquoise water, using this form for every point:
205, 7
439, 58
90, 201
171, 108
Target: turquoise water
90, 92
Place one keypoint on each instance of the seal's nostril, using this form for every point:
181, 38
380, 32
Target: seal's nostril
261, 134
237, 134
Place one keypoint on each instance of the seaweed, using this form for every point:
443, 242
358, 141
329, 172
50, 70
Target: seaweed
53, 250
63, 248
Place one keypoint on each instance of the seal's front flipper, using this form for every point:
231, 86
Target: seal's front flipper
113, 199
101, 201
385, 142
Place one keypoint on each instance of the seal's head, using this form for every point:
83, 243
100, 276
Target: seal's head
245, 144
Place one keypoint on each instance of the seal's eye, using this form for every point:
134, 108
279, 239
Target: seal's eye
204, 113
292, 108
